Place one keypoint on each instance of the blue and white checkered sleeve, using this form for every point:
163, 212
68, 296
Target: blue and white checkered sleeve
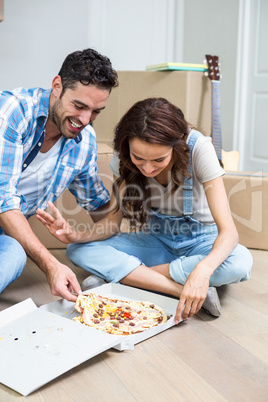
11, 154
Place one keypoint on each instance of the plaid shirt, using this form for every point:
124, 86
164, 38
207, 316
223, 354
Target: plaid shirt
23, 115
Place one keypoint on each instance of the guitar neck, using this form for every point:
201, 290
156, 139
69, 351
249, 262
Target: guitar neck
214, 75
216, 118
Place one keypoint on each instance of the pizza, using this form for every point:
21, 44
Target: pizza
119, 317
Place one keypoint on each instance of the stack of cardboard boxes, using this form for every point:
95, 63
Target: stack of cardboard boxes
191, 91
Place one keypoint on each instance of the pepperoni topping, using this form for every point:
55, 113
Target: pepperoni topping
96, 321
95, 315
132, 324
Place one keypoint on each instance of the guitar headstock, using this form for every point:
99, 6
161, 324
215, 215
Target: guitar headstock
213, 67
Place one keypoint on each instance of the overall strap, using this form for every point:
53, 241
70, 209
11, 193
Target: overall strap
188, 183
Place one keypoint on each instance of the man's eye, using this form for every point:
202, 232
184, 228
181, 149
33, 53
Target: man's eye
78, 107
96, 111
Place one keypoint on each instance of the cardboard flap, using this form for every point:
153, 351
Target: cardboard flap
38, 346
16, 311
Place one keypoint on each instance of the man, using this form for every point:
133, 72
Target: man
46, 145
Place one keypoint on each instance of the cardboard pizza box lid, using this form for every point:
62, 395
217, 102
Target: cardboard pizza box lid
39, 344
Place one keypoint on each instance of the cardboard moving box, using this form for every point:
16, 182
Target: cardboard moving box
247, 194
189, 90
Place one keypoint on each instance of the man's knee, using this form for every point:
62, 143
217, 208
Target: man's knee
21, 256
13, 260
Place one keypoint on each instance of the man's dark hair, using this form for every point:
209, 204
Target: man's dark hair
88, 67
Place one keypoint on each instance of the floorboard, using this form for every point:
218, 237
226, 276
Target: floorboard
202, 359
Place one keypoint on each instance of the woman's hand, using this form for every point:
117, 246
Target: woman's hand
57, 225
194, 292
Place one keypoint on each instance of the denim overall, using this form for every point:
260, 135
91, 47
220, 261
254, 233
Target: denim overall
180, 241
179, 232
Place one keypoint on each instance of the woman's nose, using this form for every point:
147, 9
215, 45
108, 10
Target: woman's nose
148, 167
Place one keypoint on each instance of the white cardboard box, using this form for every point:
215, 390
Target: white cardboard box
39, 344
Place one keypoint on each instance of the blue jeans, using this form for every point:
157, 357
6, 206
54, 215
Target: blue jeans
181, 242
13, 260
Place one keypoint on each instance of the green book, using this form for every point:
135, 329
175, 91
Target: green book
177, 66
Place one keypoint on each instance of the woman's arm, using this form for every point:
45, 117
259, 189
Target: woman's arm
227, 234
196, 286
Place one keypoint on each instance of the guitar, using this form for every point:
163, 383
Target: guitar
230, 160
214, 75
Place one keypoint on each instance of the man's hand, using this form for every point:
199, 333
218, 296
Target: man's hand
57, 225
61, 279
194, 292
63, 282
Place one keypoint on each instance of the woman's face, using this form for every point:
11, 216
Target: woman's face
150, 159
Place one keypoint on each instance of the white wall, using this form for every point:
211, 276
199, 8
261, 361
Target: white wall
211, 27
36, 35
137, 33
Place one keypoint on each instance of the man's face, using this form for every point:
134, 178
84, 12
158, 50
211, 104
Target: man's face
77, 108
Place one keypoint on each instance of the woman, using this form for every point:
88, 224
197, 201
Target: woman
170, 186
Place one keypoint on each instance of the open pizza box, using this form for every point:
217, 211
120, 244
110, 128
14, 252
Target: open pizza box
39, 344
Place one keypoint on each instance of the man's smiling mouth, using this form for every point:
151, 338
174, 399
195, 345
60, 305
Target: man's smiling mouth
75, 125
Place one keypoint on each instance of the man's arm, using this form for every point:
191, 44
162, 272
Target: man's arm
61, 279
101, 212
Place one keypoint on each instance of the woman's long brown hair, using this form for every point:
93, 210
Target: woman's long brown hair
155, 121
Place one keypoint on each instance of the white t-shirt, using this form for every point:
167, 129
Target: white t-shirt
205, 167
35, 178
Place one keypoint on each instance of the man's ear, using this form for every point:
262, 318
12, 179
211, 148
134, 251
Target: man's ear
57, 86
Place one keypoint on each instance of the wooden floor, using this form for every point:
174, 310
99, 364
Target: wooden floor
203, 359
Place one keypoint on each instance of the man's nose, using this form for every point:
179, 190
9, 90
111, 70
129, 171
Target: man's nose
85, 117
